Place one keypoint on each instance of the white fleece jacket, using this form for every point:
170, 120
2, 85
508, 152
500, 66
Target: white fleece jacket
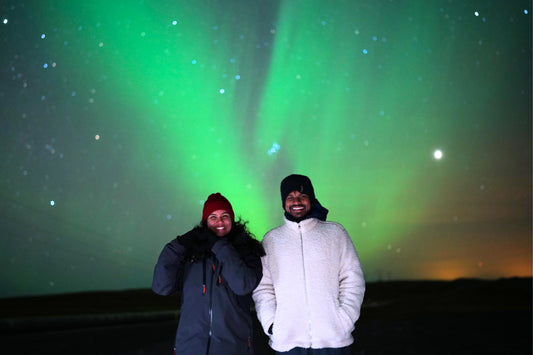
312, 286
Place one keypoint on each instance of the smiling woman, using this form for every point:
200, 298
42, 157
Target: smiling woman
218, 214
219, 222
218, 260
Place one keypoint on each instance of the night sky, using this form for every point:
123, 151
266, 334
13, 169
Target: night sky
118, 118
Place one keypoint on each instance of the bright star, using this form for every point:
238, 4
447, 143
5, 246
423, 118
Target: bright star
438, 154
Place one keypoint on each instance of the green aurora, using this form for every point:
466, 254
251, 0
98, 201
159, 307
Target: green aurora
127, 115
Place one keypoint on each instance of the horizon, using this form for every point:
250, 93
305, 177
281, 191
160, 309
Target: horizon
132, 290
413, 121
149, 289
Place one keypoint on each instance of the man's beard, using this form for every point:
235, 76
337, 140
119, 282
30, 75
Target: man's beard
290, 217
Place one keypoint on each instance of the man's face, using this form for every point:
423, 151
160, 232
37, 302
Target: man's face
219, 222
297, 204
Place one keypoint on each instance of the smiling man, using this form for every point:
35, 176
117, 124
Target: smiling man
313, 286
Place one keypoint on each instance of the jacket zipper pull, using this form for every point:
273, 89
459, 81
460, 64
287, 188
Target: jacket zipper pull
220, 275
204, 278
219, 279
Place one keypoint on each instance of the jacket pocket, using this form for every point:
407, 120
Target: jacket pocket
347, 325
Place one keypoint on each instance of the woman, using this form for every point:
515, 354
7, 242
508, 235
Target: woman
216, 266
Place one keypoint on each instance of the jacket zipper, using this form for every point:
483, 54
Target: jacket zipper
210, 309
305, 286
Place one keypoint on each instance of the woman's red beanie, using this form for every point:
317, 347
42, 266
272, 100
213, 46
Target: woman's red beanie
217, 202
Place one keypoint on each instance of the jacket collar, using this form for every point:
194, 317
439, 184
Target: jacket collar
304, 225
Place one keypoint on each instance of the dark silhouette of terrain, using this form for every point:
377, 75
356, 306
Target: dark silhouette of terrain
398, 317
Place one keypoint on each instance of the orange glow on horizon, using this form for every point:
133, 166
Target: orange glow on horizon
460, 268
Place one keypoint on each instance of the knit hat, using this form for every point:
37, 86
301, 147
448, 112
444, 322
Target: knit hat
216, 202
295, 182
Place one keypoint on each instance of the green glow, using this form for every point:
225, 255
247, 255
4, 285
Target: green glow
358, 95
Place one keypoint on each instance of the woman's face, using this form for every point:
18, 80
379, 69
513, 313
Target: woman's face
219, 222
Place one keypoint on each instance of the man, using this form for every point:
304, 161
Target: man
310, 295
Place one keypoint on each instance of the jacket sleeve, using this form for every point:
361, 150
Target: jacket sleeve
265, 298
169, 269
241, 273
351, 282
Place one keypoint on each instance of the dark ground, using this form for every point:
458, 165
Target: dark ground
414, 317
